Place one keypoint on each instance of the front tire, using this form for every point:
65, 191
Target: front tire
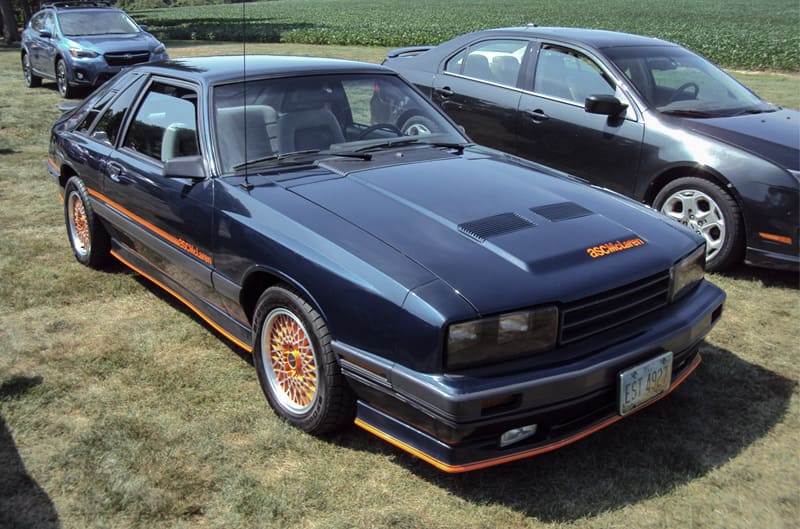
31, 79
296, 366
707, 209
62, 80
88, 238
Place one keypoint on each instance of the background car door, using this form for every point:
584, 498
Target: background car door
556, 130
42, 48
477, 88
170, 219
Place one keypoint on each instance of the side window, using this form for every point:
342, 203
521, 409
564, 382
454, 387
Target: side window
107, 128
37, 22
165, 126
93, 111
455, 62
49, 22
569, 75
496, 61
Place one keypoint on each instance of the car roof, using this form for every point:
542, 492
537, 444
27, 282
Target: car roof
232, 68
596, 38
80, 4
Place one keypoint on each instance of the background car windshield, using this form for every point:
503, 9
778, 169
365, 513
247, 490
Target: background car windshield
675, 80
326, 113
96, 23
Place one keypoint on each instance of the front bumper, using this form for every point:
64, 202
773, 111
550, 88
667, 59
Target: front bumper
96, 71
455, 421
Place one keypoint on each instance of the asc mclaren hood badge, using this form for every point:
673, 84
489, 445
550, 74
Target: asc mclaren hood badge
607, 248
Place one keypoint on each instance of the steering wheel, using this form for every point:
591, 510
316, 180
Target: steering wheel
684, 88
380, 126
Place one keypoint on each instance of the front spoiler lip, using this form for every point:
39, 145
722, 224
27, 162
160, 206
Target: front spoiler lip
441, 455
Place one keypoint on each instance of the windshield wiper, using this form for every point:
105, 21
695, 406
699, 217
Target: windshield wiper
276, 156
687, 113
406, 140
746, 111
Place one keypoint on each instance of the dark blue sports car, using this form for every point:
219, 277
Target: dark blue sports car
467, 306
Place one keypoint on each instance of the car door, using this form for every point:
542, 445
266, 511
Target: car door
477, 87
166, 221
556, 130
41, 45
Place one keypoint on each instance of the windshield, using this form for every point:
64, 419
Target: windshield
96, 22
272, 121
677, 81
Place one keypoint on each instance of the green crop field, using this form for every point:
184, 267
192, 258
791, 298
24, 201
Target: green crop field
733, 33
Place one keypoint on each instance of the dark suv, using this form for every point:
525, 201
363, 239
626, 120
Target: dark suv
83, 44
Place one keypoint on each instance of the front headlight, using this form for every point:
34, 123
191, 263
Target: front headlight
159, 49
80, 53
688, 272
496, 338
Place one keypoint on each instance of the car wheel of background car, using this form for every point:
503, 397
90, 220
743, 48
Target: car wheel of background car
706, 208
62, 80
380, 126
418, 126
31, 80
296, 365
89, 239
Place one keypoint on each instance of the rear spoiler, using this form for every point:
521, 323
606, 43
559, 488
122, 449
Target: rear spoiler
409, 51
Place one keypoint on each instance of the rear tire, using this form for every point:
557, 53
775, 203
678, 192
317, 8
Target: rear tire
88, 237
31, 79
296, 366
707, 209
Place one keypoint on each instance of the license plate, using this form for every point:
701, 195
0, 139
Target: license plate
642, 383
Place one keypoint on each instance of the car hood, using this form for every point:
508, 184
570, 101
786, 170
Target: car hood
771, 135
500, 234
117, 42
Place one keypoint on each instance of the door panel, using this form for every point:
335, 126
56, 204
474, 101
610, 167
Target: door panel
556, 130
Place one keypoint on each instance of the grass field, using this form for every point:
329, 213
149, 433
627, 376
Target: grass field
121, 409
733, 33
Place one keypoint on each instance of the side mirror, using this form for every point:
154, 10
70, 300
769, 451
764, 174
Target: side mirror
185, 167
604, 104
46, 34
143, 27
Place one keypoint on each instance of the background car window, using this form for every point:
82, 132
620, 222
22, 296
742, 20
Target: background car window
37, 22
165, 126
455, 62
496, 61
569, 75
107, 128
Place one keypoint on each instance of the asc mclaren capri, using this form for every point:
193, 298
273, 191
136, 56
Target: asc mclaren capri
469, 307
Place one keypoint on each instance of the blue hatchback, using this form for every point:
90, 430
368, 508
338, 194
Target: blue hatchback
83, 44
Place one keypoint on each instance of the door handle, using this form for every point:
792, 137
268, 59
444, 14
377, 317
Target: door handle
445, 91
114, 171
538, 115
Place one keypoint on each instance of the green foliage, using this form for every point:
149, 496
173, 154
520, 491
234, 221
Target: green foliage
732, 33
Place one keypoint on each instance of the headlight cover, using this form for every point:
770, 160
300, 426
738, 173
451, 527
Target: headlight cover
687, 272
80, 53
497, 338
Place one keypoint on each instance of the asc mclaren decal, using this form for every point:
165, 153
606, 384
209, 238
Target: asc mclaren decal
608, 248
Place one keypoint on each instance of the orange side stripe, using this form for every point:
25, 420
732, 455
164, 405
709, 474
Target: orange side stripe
186, 302
520, 455
776, 238
171, 238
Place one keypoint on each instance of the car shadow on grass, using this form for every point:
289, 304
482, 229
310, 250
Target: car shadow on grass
725, 406
768, 277
23, 503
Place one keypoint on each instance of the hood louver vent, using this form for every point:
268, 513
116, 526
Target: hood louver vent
482, 229
562, 211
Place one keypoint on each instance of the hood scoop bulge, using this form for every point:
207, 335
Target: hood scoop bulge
562, 211
482, 229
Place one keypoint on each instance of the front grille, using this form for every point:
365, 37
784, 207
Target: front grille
588, 316
127, 58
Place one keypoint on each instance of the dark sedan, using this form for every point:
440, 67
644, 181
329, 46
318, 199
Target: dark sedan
467, 307
638, 115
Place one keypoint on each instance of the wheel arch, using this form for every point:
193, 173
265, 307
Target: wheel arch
259, 279
678, 171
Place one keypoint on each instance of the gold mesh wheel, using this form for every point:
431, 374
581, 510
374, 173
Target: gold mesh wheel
78, 225
289, 361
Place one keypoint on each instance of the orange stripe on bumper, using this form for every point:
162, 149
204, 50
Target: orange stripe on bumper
519, 455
